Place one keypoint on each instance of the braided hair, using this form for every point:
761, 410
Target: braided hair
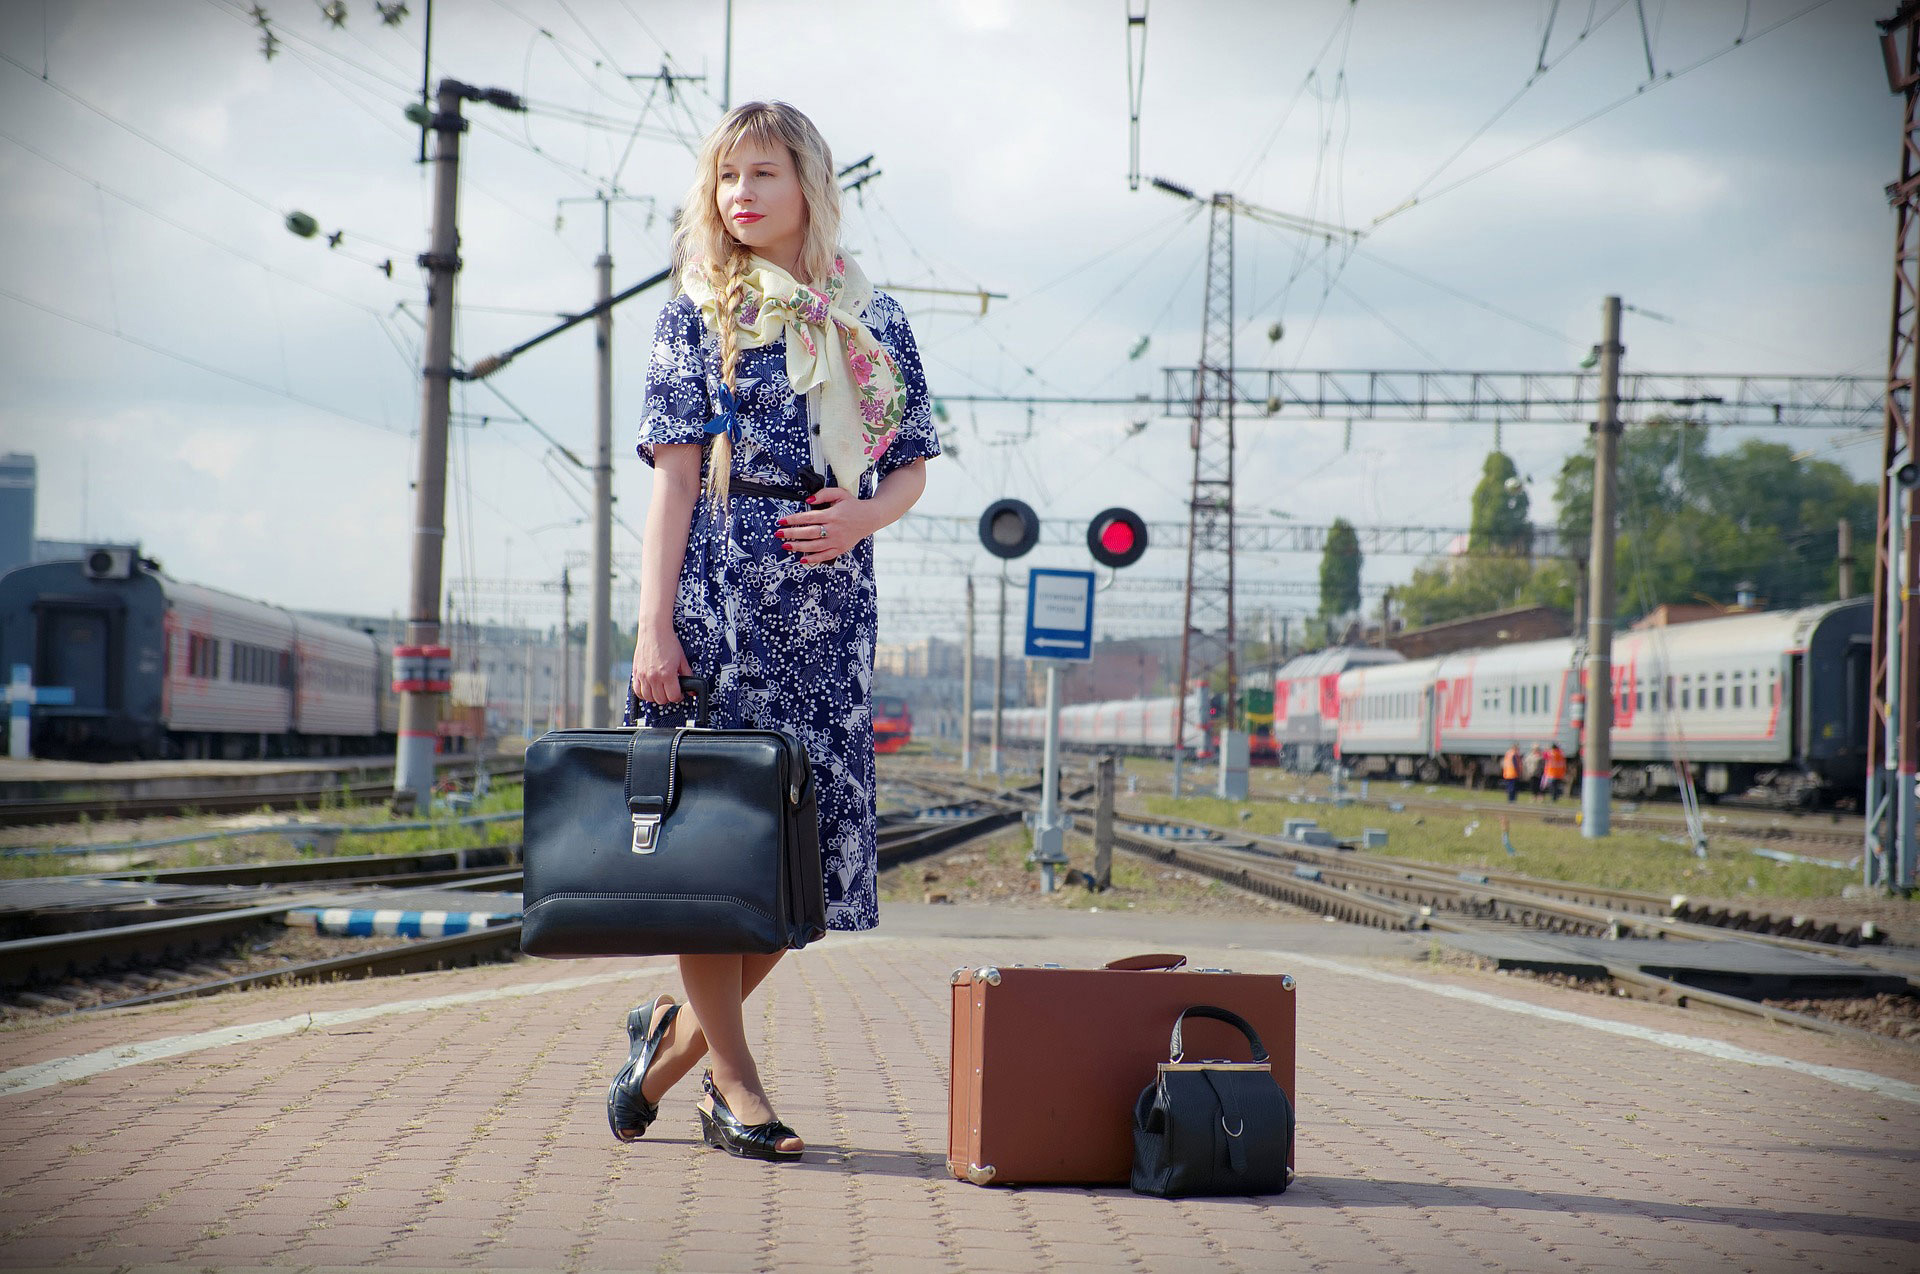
703, 241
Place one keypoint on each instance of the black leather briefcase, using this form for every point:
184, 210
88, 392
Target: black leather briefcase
670, 842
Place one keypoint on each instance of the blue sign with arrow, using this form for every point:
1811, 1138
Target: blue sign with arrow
1059, 615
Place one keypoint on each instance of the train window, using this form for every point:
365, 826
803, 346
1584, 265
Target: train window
1686, 697
1639, 700
1719, 696
1736, 694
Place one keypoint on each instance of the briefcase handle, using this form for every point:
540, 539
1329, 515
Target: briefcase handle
695, 688
1219, 1015
1158, 961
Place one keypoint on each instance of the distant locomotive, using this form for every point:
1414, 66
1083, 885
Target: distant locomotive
1774, 701
892, 723
161, 668
1306, 702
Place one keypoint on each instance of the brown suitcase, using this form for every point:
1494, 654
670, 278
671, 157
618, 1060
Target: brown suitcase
1048, 1062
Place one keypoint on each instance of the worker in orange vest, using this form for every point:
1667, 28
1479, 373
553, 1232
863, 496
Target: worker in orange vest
1553, 771
1510, 772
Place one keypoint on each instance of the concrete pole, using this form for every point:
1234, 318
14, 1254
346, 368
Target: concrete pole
419, 711
600, 620
566, 650
999, 675
526, 683
966, 688
1596, 748
1844, 557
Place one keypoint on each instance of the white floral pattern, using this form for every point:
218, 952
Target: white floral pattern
785, 645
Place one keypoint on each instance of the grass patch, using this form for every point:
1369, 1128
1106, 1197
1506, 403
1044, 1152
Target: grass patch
1472, 839
331, 808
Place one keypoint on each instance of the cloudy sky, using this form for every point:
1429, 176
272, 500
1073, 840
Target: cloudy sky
242, 401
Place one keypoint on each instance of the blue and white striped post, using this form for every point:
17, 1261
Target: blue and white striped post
21, 695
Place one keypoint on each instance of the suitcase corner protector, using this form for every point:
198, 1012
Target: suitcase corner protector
974, 1172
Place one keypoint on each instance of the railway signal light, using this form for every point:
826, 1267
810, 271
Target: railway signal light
1117, 537
1009, 528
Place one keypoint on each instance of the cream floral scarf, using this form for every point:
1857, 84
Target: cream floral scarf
854, 390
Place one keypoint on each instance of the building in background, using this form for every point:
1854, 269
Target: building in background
18, 485
510, 674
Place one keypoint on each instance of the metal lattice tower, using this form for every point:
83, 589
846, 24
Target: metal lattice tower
1206, 634
1893, 731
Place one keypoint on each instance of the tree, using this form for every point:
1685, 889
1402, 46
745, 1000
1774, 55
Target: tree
1459, 587
1695, 525
1340, 571
1500, 509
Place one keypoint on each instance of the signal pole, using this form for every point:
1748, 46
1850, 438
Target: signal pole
966, 688
422, 671
999, 673
1596, 746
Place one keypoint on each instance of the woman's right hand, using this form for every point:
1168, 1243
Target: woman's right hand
658, 665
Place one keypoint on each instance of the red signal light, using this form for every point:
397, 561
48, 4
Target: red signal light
1117, 537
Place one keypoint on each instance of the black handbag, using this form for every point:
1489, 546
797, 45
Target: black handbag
1213, 1128
670, 841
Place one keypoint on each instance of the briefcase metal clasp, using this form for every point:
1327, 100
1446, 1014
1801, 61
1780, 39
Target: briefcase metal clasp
646, 833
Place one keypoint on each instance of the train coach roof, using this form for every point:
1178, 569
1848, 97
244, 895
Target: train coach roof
1770, 632
1335, 659
181, 593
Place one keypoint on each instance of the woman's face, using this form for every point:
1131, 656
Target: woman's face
760, 201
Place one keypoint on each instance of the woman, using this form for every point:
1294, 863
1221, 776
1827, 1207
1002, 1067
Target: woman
775, 365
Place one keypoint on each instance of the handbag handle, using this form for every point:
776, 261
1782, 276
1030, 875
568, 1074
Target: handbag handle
1160, 961
1219, 1015
695, 688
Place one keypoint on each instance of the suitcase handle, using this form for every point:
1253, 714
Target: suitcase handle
1162, 961
695, 688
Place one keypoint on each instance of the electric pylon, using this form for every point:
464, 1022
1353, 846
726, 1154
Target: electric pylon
1207, 628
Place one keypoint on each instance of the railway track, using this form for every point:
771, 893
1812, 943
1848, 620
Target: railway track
22, 813
168, 959
1397, 894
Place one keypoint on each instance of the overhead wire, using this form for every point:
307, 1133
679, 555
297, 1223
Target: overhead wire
190, 361
182, 227
1640, 91
1541, 69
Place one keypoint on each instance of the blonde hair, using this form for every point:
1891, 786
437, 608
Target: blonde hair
703, 241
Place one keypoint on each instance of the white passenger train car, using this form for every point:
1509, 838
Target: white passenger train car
1776, 700
1131, 726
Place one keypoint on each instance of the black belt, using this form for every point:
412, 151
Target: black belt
746, 486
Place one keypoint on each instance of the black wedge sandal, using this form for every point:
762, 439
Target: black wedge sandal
628, 1113
723, 1131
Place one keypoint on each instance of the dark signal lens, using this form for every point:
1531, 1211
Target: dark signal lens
1009, 528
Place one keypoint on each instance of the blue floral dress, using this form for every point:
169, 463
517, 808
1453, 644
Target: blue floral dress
784, 645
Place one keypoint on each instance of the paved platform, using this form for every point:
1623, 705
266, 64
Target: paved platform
1448, 1120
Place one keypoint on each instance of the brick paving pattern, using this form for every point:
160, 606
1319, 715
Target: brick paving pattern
1435, 1134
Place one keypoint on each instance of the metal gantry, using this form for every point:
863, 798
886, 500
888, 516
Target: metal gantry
1724, 400
1731, 399
1248, 537
1893, 742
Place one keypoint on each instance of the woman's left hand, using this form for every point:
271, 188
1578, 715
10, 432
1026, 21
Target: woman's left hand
833, 524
